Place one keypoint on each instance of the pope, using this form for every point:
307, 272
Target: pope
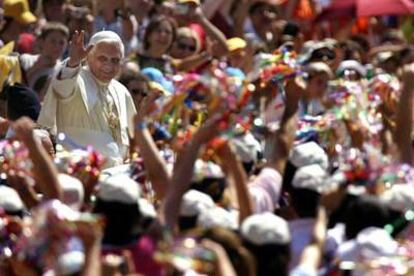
86, 102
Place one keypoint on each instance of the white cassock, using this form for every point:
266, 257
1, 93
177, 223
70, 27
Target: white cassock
77, 104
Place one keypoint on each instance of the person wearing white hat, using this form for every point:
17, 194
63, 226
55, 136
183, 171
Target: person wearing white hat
87, 103
217, 216
118, 200
267, 237
208, 178
10, 201
400, 197
307, 154
192, 205
303, 155
73, 191
306, 185
371, 243
363, 212
316, 79
351, 70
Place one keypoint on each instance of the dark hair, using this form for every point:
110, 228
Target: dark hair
213, 187
260, 4
365, 211
21, 101
391, 37
322, 54
186, 223
305, 202
241, 259
154, 24
52, 137
122, 221
288, 175
6, 23
54, 1
350, 48
127, 77
271, 259
362, 41
50, 27
291, 29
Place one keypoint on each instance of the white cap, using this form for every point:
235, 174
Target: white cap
120, 188
247, 147
311, 177
10, 200
73, 260
146, 209
217, 216
371, 243
195, 202
203, 169
400, 197
73, 191
307, 154
265, 228
351, 65
107, 36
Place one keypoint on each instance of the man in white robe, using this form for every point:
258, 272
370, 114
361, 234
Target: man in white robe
87, 103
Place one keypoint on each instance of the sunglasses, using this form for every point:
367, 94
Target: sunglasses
323, 54
139, 92
184, 47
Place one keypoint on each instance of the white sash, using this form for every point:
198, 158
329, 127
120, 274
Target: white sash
102, 142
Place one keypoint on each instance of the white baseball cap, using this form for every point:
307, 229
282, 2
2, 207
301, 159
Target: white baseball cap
307, 154
10, 200
265, 228
119, 188
73, 191
312, 177
217, 216
194, 203
400, 197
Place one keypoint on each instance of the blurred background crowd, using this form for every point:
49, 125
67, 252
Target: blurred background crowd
269, 137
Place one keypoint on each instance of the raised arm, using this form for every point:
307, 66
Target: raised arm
192, 62
183, 171
155, 165
64, 83
234, 169
312, 254
128, 22
91, 235
402, 135
284, 137
212, 31
239, 16
44, 171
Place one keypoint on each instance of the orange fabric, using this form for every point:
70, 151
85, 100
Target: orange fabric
304, 10
361, 25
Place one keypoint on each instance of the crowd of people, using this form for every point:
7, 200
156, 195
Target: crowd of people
215, 137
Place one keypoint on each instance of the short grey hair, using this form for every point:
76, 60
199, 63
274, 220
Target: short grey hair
108, 37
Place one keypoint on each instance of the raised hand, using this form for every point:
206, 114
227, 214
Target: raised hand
24, 130
195, 13
208, 130
145, 106
77, 50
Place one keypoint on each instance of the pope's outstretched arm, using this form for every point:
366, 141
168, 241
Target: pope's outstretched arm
64, 83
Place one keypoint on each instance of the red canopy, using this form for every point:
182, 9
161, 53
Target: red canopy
384, 7
341, 8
